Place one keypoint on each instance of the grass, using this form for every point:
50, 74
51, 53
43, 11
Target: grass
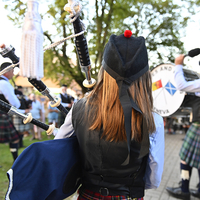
6, 161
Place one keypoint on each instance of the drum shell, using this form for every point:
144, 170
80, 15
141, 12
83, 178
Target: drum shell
167, 99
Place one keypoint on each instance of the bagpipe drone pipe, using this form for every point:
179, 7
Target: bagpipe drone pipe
44, 170
9, 52
11, 110
50, 169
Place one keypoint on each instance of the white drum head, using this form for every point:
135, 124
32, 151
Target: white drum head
167, 99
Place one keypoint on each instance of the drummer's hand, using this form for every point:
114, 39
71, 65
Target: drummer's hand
179, 59
2, 46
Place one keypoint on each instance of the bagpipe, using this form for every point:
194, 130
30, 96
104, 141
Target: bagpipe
167, 98
11, 110
49, 169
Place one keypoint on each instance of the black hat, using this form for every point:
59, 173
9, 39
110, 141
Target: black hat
64, 85
125, 59
4, 65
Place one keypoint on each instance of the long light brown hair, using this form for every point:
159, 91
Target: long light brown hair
105, 110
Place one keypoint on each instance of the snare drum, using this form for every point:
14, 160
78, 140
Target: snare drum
167, 99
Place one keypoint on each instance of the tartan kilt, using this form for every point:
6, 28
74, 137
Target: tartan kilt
190, 150
19, 125
89, 195
8, 133
61, 119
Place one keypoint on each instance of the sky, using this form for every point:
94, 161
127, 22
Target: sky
10, 35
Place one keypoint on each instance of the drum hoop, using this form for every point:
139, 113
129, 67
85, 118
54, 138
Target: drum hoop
162, 64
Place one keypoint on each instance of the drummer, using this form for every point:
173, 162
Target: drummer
190, 150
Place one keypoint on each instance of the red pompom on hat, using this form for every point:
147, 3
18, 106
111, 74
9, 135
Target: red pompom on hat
127, 33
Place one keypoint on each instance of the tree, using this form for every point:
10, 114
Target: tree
161, 23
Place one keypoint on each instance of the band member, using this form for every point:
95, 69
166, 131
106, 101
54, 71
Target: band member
18, 122
66, 101
190, 150
121, 140
8, 132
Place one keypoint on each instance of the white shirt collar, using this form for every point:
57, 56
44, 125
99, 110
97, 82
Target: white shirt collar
5, 77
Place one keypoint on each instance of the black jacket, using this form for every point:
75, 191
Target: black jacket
102, 161
192, 101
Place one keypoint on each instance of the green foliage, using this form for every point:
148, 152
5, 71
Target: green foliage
161, 23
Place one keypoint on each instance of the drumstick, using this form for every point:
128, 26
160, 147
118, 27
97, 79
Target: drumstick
194, 52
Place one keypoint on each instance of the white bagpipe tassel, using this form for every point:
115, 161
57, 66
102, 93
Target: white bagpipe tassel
31, 59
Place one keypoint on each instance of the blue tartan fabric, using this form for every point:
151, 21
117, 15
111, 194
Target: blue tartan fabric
8, 133
190, 150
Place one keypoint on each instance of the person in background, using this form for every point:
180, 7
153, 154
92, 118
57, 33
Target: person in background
190, 150
36, 111
121, 139
52, 115
18, 121
8, 132
79, 95
66, 101
42, 102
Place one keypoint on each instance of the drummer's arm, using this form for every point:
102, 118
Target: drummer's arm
181, 83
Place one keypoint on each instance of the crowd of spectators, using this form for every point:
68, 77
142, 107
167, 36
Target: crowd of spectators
41, 109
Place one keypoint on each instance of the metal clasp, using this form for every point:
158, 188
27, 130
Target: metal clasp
104, 191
